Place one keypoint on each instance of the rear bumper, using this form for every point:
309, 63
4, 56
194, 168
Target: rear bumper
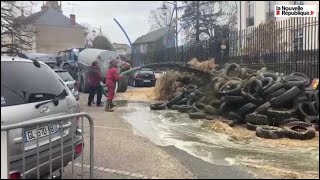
141, 82
44, 159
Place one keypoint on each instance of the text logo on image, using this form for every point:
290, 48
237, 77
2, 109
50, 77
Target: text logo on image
295, 11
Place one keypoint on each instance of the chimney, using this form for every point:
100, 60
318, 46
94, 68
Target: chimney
72, 19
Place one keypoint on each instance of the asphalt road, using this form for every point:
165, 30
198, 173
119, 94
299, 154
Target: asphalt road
121, 153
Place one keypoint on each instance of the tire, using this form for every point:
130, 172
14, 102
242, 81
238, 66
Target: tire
276, 117
235, 116
198, 93
190, 101
223, 108
275, 94
182, 101
234, 99
298, 123
291, 81
211, 110
302, 75
158, 106
286, 97
263, 108
266, 82
275, 77
191, 111
269, 132
230, 89
230, 68
301, 99
276, 86
247, 109
189, 88
306, 109
84, 84
174, 107
123, 84
257, 119
243, 73
309, 95
299, 132
255, 88
252, 99
197, 115
184, 108
174, 100
215, 102
251, 127
316, 95
199, 107
289, 120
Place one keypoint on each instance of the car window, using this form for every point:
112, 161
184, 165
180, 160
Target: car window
65, 76
23, 82
146, 72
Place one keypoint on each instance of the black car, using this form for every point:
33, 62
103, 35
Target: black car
143, 77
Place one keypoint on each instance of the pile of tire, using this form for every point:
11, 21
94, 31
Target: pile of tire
272, 104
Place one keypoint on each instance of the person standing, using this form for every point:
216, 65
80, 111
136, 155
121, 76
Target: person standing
111, 78
94, 77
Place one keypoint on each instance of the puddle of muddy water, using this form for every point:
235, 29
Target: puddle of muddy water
168, 127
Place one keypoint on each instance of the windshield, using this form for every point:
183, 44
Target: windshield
22, 83
65, 76
145, 71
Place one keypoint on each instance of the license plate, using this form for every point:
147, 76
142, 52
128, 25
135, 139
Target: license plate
146, 81
42, 132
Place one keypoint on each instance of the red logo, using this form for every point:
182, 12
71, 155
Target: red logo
278, 12
312, 12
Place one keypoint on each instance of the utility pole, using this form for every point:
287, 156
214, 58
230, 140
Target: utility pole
197, 25
176, 6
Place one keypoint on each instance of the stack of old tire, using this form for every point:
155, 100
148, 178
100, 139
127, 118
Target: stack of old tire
273, 104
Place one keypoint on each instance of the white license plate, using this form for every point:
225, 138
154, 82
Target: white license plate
146, 81
42, 132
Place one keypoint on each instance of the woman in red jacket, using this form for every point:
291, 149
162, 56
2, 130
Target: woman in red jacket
111, 78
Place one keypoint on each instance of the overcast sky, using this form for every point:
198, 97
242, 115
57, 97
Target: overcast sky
132, 15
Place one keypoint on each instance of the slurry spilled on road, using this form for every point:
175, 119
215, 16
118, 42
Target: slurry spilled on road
169, 127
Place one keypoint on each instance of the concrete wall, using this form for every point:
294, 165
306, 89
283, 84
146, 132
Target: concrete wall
53, 39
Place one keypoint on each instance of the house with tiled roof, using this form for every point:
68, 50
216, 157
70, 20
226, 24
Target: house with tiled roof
54, 31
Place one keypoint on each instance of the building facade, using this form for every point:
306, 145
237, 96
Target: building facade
53, 30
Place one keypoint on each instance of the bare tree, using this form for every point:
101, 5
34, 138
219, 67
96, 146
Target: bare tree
160, 18
15, 34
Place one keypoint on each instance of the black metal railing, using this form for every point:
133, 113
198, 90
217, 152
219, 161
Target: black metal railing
273, 44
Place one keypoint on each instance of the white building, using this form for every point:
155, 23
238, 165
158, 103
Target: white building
253, 13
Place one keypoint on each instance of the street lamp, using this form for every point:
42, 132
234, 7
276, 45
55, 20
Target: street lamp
175, 7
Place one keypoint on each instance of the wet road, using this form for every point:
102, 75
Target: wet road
176, 132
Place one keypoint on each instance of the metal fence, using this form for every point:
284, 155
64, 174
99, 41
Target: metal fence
52, 154
285, 46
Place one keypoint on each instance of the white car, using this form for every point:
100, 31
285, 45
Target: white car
31, 90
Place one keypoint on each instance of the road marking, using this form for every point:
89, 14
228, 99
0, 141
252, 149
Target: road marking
102, 169
106, 127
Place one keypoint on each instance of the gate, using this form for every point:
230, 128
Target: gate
58, 152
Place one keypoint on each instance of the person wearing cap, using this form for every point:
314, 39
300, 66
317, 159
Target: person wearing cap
112, 77
94, 78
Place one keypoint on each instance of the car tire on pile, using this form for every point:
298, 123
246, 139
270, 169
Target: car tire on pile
232, 68
197, 115
174, 100
182, 101
247, 109
199, 107
231, 89
286, 97
251, 127
276, 116
158, 106
257, 119
174, 107
303, 76
211, 110
306, 109
235, 116
189, 88
273, 88
263, 108
234, 99
269, 132
266, 82
184, 108
299, 132
275, 94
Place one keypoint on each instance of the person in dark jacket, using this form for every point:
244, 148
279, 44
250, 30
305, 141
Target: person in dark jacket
111, 78
94, 78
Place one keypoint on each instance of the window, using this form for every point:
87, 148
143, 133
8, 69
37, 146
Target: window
270, 10
23, 82
298, 2
65, 76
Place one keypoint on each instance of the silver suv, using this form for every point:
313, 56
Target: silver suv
31, 90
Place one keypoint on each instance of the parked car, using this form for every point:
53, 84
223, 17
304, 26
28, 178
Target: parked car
49, 59
31, 90
68, 81
143, 77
